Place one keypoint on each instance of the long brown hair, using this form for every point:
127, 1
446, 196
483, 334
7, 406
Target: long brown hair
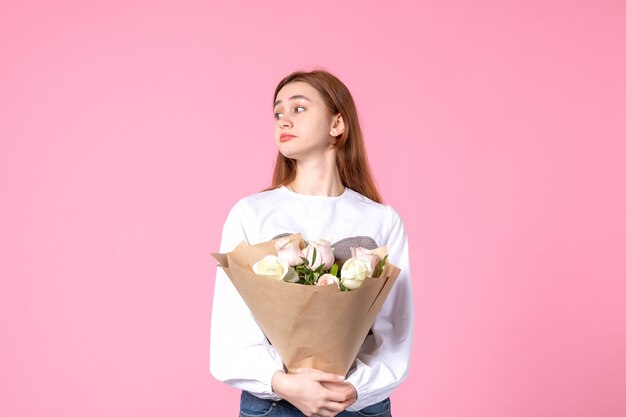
354, 170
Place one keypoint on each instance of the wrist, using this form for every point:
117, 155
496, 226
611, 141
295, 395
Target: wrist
277, 383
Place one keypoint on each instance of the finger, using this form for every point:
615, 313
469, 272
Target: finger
326, 377
317, 375
303, 370
339, 406
343, 405
343, 391
336, 396
331, 410
313, 370
335, 408
339, 386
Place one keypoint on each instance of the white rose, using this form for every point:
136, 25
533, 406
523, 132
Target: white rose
289, 250
353, 272
327, 279
323, 254
366, 255
272, 266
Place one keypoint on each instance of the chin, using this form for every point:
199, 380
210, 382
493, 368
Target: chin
287, 151
288, 155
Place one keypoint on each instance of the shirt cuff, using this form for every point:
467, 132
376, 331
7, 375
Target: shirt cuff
271, 395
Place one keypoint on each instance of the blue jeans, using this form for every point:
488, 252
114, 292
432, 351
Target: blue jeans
252, 406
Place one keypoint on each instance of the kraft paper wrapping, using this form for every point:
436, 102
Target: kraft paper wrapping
310, 326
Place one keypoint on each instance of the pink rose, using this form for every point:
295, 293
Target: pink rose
324, 254
289, 251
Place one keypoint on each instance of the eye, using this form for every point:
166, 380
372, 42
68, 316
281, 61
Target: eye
278, 116
299, 107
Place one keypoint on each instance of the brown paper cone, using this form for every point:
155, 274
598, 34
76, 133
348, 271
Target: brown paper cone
310, 326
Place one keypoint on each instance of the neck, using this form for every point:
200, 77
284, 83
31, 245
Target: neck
318, 177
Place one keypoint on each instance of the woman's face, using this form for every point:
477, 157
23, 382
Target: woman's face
304, 126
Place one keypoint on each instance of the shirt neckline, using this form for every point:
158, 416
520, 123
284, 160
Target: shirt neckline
315, 197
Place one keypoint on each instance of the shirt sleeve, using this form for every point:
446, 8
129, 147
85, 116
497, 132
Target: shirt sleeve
240, 354
383, 361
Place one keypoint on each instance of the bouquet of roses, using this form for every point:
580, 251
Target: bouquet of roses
315, 325
315, 264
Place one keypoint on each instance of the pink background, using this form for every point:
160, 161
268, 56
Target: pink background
129, 128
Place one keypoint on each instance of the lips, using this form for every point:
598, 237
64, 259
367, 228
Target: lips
285, 137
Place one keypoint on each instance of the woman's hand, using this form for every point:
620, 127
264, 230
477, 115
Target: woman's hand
313, 392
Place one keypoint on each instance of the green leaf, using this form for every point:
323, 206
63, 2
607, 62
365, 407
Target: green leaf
314, 256
380, 267
334, 269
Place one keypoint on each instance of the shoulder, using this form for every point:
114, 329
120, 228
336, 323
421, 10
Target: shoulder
263, 197
382, 211
248, 205
254, 202
241, 221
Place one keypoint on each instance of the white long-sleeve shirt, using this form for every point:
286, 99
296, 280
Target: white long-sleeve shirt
242, 357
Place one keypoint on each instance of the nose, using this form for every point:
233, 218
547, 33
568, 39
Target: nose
285, 121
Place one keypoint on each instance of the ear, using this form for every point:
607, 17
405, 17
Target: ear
337, 127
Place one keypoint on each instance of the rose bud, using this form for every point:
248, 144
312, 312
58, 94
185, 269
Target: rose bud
327, 279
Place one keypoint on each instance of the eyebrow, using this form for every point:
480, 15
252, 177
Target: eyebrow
292, 98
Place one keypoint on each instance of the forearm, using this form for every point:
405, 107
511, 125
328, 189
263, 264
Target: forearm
240, 354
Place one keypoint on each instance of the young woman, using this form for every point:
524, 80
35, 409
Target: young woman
322, 188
